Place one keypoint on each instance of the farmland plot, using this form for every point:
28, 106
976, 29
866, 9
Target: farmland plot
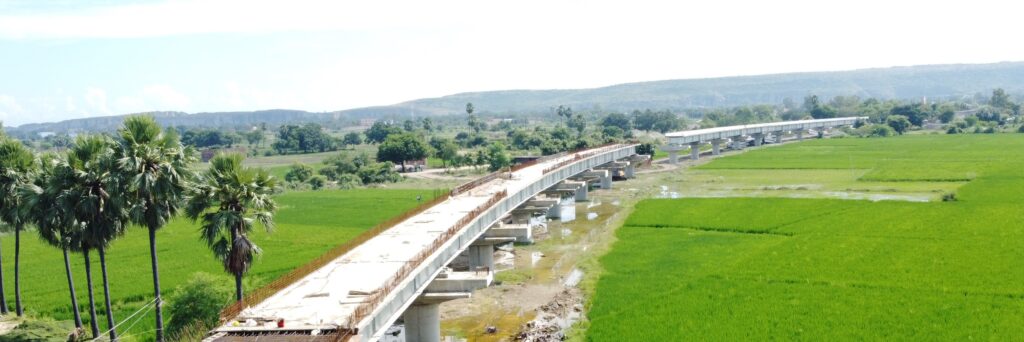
826, 269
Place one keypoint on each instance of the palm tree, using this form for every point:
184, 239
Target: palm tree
17, 166
88, 170
56, 224
154, 166
230, 199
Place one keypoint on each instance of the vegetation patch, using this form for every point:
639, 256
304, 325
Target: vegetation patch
941, 270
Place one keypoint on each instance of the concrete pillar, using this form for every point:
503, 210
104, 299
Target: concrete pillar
630, 170
758, 138
423, 323
606, 180
777, 136
565, 210
738, 142
694, 150
800, 135
673, 157
716, 146
582, 192
481, 256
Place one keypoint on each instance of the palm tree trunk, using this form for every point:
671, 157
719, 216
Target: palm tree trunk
156, 285
106, 294
3, 298
94, 325
17, 270
238, 275
71, 288
238, 287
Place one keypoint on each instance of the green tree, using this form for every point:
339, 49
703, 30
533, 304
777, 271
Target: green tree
352, 138
92, 191
403, 147
255, 138
17, 170
56, 225
380, 131
155, 168
617, 120
1000, 99
227, 203
899, 123
298, 172
197, 302
497, 156
564, 112
579, 123
447, 150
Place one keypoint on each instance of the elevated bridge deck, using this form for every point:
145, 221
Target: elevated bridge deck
365, 290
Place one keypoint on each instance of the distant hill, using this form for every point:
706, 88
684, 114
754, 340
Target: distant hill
914, 82
219, 119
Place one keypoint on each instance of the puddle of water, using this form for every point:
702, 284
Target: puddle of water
573, 278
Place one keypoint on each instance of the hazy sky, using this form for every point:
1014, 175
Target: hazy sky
73, 59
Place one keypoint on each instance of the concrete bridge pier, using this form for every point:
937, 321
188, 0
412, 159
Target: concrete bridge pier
603, 176
423, 322
564, 210
758, 138
694, 150
481, 256
738, 142
517, 232
777, 136
630, 170
716, 146
800, 135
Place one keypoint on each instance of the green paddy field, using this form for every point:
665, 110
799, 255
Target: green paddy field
308, 224
836, 239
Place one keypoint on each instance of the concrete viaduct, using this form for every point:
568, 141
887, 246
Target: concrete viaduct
446, 251
405, 271
737, 137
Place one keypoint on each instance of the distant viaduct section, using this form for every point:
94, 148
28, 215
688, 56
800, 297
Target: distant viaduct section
740, 136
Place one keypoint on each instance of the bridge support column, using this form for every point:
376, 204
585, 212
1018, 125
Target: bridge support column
630, 170
673, 157
738, 143
582, 192
423, 323
758, 138
716, 146
694, 150
481, 256
800, 135
565, 210
777, 135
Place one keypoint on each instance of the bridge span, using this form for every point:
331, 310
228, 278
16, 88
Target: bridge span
404, 271
739, 136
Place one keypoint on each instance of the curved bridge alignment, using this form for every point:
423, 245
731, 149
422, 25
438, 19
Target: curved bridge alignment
363, 292
739, 135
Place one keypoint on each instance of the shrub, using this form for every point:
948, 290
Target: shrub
197, 303
317, 182
949, 197
1020, 129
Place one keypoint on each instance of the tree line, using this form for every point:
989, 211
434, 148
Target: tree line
83, 199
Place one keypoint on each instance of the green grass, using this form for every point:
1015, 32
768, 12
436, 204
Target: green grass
308, 224
828, 269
